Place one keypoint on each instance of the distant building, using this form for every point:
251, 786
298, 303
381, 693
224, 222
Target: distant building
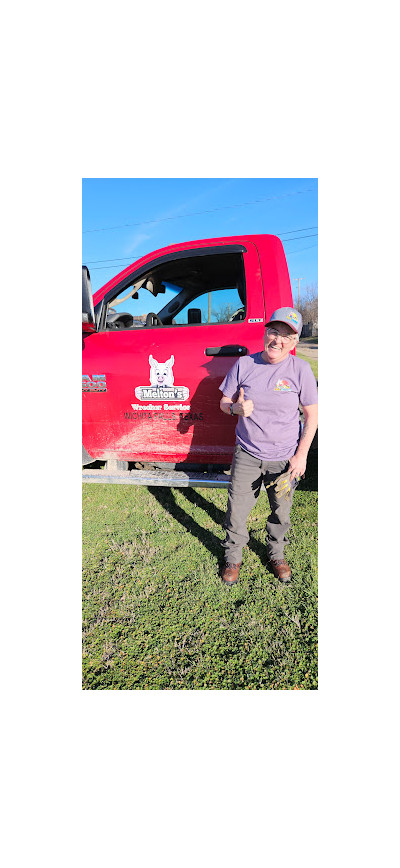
310, 330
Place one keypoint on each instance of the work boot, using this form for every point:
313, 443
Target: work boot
280, 569
230, 573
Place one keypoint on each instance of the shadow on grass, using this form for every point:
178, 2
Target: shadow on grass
166, 499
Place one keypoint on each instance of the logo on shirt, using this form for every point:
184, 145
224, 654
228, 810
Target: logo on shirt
282, 386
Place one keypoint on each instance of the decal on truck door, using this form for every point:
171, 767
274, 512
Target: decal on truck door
97, 383
161, 373
161, 383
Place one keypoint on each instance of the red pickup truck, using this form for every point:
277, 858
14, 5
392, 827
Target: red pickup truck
158, 340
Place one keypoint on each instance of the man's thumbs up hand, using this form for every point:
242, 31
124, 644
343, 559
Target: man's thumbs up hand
243, 407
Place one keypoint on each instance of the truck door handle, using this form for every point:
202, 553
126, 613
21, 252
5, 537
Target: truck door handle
227, 350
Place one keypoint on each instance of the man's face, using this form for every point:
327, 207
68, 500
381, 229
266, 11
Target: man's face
275, 347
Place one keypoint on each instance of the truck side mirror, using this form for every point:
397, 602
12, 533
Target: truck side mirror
88, 322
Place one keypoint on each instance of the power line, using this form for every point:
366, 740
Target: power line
300, 237
198, 213
117, 267
292, 252
288, 232
291, 231
121, 267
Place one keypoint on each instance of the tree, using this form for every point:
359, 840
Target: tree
308, 306
223, 313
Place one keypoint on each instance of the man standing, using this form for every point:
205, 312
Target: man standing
264, 390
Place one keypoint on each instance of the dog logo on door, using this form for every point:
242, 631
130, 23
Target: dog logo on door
161, 383
161, 373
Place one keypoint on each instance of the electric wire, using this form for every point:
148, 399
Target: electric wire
121, 266
286, 232
292, 252
198, 213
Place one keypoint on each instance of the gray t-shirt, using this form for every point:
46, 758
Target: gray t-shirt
272, 431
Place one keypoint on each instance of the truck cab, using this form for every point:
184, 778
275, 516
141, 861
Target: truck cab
158, 340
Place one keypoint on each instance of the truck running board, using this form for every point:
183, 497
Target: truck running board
167, 478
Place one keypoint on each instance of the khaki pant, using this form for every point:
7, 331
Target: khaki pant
247, 475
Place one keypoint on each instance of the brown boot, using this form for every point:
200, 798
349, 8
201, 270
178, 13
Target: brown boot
230, 573
280, 569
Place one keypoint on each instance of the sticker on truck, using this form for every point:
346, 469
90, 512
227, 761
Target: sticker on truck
95, 383
161, 383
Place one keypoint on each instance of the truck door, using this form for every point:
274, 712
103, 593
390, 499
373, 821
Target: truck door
168, 335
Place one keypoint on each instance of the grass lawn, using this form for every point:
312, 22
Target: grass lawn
310, 340
156, 615
312, 362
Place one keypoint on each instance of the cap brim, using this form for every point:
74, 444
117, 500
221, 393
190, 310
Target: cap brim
272, 321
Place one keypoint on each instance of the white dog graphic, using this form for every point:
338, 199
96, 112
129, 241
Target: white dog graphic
161, 373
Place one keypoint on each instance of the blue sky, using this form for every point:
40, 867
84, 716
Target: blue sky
125, 218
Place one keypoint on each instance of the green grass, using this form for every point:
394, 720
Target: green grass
310, 340
156, 615
312, 362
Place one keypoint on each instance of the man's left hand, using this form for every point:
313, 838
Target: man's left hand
297, 466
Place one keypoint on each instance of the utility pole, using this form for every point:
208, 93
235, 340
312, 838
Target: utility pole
298, 289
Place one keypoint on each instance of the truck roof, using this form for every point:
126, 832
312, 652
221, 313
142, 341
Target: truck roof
261, 241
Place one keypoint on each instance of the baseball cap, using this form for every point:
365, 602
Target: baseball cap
288, 315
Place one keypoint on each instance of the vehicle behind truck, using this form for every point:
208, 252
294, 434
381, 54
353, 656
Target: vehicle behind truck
158, 339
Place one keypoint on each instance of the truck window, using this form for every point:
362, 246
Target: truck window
217, 306
196, 290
